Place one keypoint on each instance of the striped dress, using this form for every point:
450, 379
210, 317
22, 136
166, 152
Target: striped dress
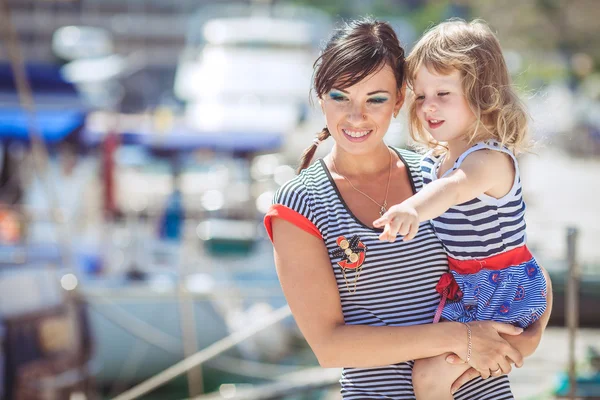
396, 286
485, 241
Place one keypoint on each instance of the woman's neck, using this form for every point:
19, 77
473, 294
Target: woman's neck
359, 166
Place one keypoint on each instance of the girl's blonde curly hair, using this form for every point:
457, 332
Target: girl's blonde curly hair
473, 50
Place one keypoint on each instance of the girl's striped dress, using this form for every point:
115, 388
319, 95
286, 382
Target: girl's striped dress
380, 283
496, 276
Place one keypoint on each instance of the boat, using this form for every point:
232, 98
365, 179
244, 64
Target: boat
248, 69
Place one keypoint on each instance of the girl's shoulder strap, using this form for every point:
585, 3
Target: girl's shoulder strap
489, 145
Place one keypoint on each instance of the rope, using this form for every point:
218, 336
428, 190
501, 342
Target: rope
202, 356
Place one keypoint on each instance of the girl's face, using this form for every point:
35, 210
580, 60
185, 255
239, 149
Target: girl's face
359, 116
441, 105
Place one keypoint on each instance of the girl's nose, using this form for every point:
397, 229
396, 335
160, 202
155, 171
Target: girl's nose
429, 105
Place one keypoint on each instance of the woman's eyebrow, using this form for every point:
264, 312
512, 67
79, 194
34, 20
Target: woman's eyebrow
339, 90
368, 94
377, 91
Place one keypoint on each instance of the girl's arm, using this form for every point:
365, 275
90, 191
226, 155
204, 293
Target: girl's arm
483, 171
309, 285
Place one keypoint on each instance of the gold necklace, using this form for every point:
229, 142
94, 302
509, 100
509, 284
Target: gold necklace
382, 207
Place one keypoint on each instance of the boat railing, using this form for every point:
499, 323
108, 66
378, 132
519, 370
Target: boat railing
204, 355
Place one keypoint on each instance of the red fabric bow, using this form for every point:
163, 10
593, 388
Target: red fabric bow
447, 282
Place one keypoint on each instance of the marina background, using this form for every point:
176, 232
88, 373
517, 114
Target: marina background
141, 142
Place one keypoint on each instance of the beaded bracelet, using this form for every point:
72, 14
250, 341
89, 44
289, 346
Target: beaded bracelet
469, 345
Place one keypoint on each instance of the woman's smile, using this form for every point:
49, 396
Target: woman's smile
357, 135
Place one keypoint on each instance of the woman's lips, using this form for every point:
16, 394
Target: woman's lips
364, 136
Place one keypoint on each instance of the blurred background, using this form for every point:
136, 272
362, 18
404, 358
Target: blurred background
141, 142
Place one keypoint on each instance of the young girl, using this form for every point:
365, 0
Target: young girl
466, 111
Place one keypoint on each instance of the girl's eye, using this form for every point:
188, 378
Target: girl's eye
420, 98
443, 93
378, 100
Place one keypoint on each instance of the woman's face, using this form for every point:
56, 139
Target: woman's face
359, 116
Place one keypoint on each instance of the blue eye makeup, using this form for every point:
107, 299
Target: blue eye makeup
336, 96
378, 100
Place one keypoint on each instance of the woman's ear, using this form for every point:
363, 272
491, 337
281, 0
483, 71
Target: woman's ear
321, 105
400, 99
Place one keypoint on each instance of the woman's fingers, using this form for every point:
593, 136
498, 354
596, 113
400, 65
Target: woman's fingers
468, 375
511, 352
514, 355
490, 350
505, 368
485, 373
508, 329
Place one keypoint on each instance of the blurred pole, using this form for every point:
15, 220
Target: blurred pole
572, 305
187, 306
187, 317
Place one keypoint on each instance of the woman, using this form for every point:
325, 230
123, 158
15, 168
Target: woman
364, 304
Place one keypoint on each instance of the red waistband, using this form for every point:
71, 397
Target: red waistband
500, 261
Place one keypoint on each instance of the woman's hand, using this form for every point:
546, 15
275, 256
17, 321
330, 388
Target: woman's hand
491, 354
526, 343
530, 335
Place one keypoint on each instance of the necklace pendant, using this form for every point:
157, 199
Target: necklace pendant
382, 211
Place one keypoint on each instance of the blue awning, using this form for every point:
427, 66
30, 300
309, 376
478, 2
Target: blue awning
59, 109
189, 140
54, 125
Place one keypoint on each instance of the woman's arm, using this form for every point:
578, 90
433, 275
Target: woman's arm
526, 343
309, 285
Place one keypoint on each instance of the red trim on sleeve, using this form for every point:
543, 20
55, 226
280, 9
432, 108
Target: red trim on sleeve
286, 213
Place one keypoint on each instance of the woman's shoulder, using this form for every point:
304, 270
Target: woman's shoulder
411, 158
406, 153
300, 187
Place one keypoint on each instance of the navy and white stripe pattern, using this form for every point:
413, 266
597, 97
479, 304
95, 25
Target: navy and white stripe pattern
484, 226
396, 286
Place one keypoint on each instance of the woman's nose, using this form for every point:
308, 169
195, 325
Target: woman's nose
357, 113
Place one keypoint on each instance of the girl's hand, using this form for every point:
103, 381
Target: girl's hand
399, 219
491, 355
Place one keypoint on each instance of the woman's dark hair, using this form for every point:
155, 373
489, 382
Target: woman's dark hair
355, 51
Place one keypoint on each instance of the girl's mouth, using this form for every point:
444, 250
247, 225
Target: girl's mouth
435, 123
